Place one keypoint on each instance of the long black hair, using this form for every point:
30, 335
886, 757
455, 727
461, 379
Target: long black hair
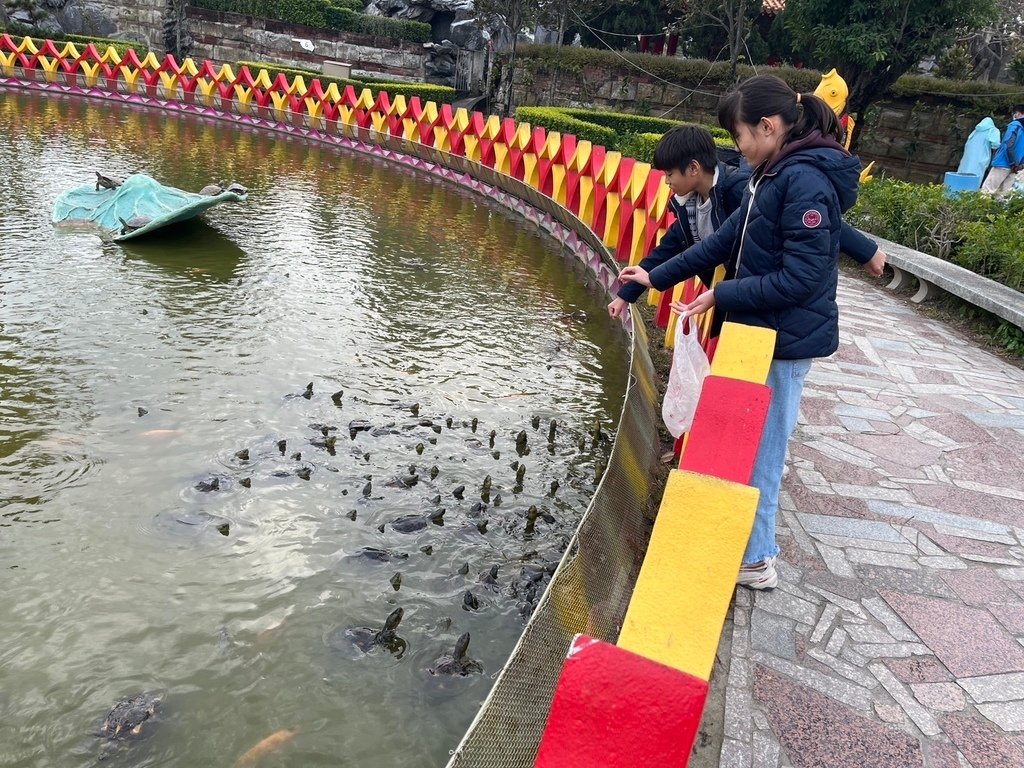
767, 95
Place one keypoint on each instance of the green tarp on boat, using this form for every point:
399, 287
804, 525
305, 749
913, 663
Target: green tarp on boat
140, 201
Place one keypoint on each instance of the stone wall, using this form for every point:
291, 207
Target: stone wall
230, 37
912, 140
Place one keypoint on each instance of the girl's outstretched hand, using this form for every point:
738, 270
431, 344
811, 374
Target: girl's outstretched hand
635, 275
698, 306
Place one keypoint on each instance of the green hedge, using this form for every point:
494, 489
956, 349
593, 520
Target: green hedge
976, 231
426, 91
630, 134
555, 119
714, 78
641, 145
342, 15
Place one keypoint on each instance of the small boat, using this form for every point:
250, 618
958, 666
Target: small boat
138, 205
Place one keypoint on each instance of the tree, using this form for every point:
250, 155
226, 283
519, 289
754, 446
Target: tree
872, 42
514, 15
177, 37
617, 25
994, 46
734, 17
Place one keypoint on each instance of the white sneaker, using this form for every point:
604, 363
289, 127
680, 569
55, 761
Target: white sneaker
759, 575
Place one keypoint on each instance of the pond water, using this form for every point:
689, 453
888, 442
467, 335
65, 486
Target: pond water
135, 376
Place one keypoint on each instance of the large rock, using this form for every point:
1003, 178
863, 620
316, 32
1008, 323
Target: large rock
70, 17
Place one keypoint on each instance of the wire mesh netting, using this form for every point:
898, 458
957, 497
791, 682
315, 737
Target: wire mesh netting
589, 591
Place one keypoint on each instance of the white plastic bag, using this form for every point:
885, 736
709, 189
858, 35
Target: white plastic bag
689, 367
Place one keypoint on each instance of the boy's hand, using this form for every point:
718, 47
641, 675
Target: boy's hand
635, 275
617, 307
876, 267
698, 306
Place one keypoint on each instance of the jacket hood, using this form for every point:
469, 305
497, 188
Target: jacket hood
984, 126
840, 167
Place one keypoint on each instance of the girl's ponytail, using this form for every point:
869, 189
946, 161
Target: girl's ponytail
767, 95
815, 114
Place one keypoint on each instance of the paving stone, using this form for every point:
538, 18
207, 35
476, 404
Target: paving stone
735, 755
837, 585
850, 672
919, 669
866, 633
836, 562
989, 688
887, 559
783, 604
940, 697
851, 695
934, 516
849, 528
1008, 715
917, 582
816, 732
967, 640
872, 493
988, 559
979, 586
1010, 615
842, 542
889, 713
997, 420
941, 755
836, 642
824, 623
921, 717
859, 412
941, 563
851, 607
878, 608
766, 750
981, 743
891, 650
773, 634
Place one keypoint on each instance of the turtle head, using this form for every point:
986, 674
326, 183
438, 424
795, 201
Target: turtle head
461, 646
393, 620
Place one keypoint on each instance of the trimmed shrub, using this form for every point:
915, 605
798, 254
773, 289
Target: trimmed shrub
341, 15
713, 77
976, 231
442, 94
555, 119
633, 135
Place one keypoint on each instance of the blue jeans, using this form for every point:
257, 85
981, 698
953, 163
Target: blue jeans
786, 379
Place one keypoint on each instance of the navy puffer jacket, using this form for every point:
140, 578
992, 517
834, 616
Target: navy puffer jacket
787, 234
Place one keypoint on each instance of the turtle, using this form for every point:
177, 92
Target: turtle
212, 190
237, 188
490, 576
368, 638
105, 182
134, 223
414, 523
131, 717
456, 663
375, 554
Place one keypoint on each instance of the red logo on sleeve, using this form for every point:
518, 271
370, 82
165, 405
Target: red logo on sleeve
812, 219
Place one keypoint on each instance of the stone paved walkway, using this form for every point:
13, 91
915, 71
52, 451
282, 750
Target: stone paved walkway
896, 636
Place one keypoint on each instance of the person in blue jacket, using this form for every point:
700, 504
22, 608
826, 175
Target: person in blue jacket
978, 149
706, 191
783, 243
1009, 159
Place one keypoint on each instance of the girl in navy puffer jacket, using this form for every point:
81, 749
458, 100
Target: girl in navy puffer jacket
784, 241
